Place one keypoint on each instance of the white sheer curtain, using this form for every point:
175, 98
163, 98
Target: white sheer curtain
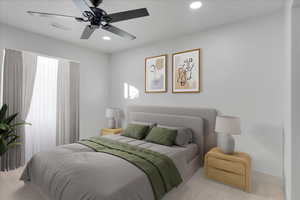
41, 136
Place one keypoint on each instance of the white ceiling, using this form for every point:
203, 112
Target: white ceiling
168, 18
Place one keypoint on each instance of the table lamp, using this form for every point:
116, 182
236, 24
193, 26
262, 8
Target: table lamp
227, 126
118, 116
110, 115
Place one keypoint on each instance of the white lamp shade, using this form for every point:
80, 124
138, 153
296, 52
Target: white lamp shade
228, 124
118, 113
110, 113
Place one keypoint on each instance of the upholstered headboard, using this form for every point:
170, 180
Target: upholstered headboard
179, 116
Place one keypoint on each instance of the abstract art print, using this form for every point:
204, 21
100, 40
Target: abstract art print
186, 71
156, 74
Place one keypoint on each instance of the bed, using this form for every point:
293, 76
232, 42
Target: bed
77, 172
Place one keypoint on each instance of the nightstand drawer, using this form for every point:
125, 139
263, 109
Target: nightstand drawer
233, 167
226, 177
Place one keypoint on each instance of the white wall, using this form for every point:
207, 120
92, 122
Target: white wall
242, 76
93, 72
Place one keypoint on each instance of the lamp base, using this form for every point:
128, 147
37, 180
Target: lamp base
111, 123
226, 143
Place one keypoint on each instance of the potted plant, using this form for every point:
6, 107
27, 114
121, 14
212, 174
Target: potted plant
8, 137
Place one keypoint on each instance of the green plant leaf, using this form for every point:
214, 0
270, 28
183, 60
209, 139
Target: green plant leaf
5, 134
13, 139
8, 138
4, 127
10, 135
14, 144
3, 111
11, 118
20, 124
3, 147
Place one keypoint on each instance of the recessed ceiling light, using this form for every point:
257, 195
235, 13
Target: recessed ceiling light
196, 5
106, 38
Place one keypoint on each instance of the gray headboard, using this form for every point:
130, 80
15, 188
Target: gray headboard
180, 116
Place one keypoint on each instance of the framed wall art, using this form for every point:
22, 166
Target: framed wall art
156, 74
186, 71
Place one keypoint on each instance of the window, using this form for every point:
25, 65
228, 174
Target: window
41, 136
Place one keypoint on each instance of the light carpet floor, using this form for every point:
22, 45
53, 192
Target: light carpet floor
265, 187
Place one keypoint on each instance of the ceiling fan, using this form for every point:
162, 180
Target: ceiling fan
98, 18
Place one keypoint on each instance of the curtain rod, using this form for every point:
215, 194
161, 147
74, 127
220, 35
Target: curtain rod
41, 54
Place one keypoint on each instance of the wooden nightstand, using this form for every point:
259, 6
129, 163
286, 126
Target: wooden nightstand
234, 170
107, 131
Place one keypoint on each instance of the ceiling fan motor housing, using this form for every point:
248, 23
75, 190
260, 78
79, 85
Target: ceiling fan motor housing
100, 17
96, 3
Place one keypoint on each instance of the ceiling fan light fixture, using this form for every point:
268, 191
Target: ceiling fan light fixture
107, 38
196, 5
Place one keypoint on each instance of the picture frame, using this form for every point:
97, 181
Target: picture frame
156, 74
186, 71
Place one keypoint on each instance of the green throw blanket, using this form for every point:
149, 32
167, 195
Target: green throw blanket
160, 169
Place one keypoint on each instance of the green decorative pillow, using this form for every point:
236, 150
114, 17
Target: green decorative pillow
136, 131
162, 136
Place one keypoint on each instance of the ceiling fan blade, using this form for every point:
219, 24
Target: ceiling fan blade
43, 14
126, 15
83, 6
88, 31
118, 32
